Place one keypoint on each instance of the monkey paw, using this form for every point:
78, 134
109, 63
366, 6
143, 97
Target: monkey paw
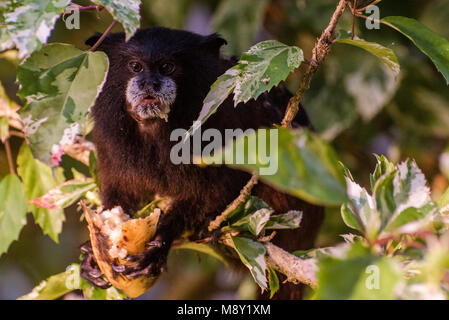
90, 270
152, 262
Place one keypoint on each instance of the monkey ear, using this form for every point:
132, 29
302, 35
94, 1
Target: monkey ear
213, 43
111, 41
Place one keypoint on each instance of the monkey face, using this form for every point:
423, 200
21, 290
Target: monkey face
151, 91
160, 73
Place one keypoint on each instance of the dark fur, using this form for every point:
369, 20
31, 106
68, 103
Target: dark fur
134, 161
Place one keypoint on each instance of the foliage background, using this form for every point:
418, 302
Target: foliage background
411, 120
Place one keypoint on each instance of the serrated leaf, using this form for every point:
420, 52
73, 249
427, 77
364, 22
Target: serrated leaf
29, 23
38, 178
60, 84
386, 55
264, 66
13, 209
383, 166
430, 43
252, 254
127, 12
360, 212
258, 220
290, 220
402, 189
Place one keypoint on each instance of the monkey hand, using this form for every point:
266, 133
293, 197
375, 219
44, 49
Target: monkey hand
151, 262
90, 269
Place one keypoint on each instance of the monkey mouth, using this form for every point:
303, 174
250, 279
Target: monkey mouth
151, 102
151, 107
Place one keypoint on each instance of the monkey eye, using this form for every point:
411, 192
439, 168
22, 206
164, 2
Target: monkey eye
167, 68
135, 66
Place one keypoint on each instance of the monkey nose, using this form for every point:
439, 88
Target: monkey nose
156, 84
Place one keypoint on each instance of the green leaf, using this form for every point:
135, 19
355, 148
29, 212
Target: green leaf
386, 55
273, 281
65, 194
239, 20
300, 163
126, 12
402, 189
57, 285
203, 248
430, 43
13, 209
263, 66
252, 254
258, 220
60, 83
360, 212
357, 275
218, 93
29, 24
38, 179
290, 220
62, 283
383, 166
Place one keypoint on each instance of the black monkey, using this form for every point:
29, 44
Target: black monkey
156, 83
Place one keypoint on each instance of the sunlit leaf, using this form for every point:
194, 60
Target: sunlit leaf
29, 24
252, 254
60, 84
386, 55
124, 11
263, 66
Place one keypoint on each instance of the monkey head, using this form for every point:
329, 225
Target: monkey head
161, 73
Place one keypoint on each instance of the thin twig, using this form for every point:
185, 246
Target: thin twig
353, 20
368, 18
369, 5
12, 170
103, 36
320, 51
88, 8
244, 194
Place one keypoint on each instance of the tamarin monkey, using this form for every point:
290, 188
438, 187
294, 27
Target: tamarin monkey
157, 82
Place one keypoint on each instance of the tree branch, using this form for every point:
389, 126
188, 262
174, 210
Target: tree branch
297, 270
320, 51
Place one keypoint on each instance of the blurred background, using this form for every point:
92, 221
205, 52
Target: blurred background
354, 102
